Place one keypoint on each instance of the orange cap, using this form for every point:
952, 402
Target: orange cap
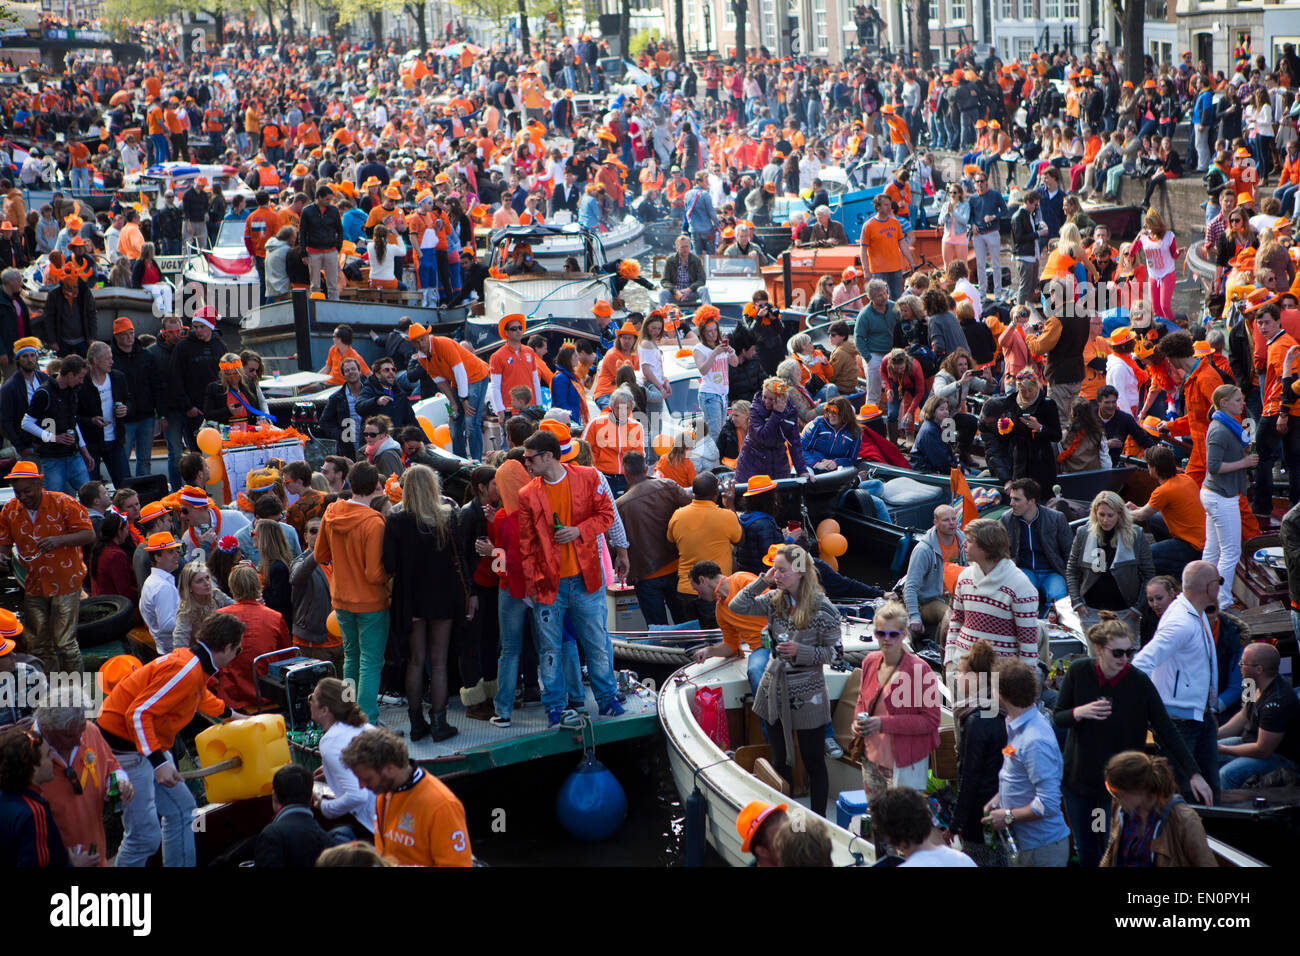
115, 669
24, 469
751, 818
123, 324
758, 484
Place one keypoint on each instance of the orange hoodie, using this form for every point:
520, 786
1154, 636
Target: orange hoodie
352, 540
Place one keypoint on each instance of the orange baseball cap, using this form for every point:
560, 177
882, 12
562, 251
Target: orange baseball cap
849, 273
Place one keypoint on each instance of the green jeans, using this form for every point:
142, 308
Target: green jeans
365, 635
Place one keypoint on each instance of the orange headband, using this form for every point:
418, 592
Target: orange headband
234, 366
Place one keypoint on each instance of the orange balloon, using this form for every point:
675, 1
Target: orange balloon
831, 560
834, 544
662, 444
332, 624
216, 469
209, 441
442, 436
427, 425
827, 526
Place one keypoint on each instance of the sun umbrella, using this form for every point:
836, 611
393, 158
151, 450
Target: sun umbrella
457, 48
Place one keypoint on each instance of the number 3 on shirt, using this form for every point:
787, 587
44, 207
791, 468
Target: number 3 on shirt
458, 841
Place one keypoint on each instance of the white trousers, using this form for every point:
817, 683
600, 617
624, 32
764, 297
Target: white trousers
988, 249
1222, 539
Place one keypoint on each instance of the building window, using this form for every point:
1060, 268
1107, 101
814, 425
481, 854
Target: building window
933, 13
1070, 9
819, 37
1024, 47
1026, 9
768, 11
1051, 9
956, 11
1008, 10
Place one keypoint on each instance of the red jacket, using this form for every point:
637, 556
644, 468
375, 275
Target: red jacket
504, 534
264, 631
875, 448
912, 701
593, 515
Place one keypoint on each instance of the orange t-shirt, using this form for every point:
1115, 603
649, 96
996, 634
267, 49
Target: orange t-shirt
422, 825
80, 815
155, 121
1179, 502
334, 362
445, 354
55, 572
515, 368
683, 474
79, 154
739, 628
562, 507
173, 121
881, 242
609, 366
261, 225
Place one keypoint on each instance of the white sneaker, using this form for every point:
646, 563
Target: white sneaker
833, 748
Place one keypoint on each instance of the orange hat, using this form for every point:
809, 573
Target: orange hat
393, 488
887, 108
371, 182
994, 124
196, 497
1241, 153
1085, 72
968, 75
512, 317
769, 187
758, 484
603, 309
980, 124
868, 412
568, 448
849, 273
1127, 84
1151, 424
161, 541
1149, 85
970, 169
115, 669
122, 324
627, 328
1202, 348
24, 469
751, 818
392, 192
416, 331
10, 626
152, 512
442, 178
1122, 335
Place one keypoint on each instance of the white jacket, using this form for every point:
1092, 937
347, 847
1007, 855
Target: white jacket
1180, 660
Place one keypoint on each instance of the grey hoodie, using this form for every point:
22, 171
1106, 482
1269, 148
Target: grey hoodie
277, 276
925, 572
311, 599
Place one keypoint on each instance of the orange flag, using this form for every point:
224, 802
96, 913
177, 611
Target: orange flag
962, 499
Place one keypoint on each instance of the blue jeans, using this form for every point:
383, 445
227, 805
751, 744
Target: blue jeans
1201, 737
702, 298
714, 408
1051, 586
175, 435
571, 664
467, 431
875, 487
81, 178
143, 834
1172, 555
658, 597
1235, 771
65, 474
755, 665
1079, 810
365, 635
587, 615
114, 456
512, 614
139, 436
1284, 195
892, 279
968, 119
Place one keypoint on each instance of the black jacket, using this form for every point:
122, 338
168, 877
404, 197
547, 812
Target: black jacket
979, 758
60, 407
293, 838
1021, 454
566, 197
333, 421
167, 223
195, 365
15, 322
745, 380
320, 230
194, 204
80, 315
398, 410
89, 408
216, 408
143, 380
13, 406
1024, 237
169, 399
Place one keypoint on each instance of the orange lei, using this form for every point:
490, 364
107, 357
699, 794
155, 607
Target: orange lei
1069, 449
216, 514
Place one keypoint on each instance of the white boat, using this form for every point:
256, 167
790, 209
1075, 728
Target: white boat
226, 273
110, 301
731, 281
625, 239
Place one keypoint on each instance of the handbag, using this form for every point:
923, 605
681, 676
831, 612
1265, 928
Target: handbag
711, 715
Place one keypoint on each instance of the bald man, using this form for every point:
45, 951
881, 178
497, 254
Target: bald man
924, 588
1265, 734
1181, 662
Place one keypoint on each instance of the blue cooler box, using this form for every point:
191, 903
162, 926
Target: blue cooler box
851, 803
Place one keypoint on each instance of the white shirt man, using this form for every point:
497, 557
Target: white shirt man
1120, 377
159, 598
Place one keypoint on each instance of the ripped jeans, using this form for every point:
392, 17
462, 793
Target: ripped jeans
586, 614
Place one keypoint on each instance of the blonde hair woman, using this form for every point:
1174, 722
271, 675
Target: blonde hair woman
422, 553
792, 696
1110, 564
275, 559
899, 697
790, 371
200, 599
1160, 248
1226, 461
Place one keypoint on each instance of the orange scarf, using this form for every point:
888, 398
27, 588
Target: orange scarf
1069, 449
216, 530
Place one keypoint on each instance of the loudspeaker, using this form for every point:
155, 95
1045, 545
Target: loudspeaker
610, 23
149, 487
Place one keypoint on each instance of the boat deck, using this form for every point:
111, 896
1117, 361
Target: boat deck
480, 746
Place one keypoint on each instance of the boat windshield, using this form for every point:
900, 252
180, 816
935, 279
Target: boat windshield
231, 234
731, 266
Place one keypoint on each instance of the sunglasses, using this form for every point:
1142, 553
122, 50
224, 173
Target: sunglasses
74, 780
888, 635
528, 458
1119, 653
370, 434
978, 181
514, 328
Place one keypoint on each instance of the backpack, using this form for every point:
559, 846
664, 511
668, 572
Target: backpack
925, 355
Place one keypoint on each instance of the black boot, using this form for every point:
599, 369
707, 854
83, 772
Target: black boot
441, 729
419, 726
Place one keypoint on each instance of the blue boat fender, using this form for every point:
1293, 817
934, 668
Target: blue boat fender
591, 804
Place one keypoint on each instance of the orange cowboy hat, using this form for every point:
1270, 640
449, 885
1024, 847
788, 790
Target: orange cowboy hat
627, 328
392, 192
1202, 348
757, 485
1122, 335
416, 331
507, 319
24, 469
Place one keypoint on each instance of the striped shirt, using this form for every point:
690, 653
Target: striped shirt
1000, 607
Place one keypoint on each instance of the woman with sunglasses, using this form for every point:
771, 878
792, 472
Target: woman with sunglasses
1106, 706
954, 218
897, 708
1150, 823
792, 696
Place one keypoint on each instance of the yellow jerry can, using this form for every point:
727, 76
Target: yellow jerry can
260, 744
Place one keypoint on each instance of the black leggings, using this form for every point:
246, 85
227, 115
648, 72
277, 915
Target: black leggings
478, 641
812, 747
431, 639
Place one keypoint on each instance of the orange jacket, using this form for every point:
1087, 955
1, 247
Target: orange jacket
352, 540
445, 355
152, 705
608, 441
593, 515
1290, 171
609, 365
261, 225
1097, 346
1277, 349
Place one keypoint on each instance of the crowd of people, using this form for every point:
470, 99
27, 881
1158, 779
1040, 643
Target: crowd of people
367, 167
